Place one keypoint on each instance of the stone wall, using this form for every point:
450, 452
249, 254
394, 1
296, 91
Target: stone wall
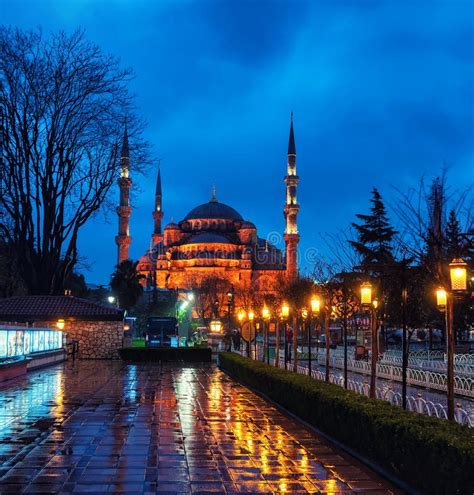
97, 339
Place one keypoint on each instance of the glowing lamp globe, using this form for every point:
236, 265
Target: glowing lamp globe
441, 298
215, 326
315, 304
458, 274
285, 310
366, 293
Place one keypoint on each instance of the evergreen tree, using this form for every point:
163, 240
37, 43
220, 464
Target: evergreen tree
125, 283
375, 237
454, 246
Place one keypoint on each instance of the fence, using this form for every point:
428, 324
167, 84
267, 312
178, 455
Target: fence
414, 403
432, 361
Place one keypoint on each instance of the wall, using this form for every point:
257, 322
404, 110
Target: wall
97, 339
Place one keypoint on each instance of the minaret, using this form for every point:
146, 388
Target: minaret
158, 211
291, 210
124, 210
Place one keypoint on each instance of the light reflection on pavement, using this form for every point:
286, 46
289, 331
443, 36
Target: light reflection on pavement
104, 427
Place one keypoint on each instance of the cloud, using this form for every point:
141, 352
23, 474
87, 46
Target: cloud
382, 93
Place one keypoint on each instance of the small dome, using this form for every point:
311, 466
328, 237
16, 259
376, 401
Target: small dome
208, 237
213, 209
247, 225
172, 226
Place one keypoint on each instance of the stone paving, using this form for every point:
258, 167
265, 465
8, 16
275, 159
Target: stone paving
104, 427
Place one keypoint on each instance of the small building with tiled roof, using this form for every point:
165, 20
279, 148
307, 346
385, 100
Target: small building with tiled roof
97, 328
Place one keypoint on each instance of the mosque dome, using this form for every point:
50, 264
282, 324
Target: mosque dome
214, 210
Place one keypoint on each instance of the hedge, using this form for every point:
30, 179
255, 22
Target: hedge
429, 454
183, 354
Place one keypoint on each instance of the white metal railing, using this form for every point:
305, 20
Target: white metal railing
438, 366
429, 355
432, 361
414, 403
467, 359
463, 385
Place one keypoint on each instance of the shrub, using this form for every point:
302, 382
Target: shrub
184, 354
428, 453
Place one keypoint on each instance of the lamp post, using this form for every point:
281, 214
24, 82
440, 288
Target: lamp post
367, 302
285, 313
315, 309
266, 318
230, 300
445, 299
295, 342
240, 317
344, 302
307, 323
251, 316
327, 337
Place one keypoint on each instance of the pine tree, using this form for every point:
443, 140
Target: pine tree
454, 247
375, 237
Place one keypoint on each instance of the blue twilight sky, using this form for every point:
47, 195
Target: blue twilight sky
382, 92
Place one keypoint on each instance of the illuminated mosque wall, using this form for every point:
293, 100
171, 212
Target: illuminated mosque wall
213, 240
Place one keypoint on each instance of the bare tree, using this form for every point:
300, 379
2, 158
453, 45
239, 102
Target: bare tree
341, 256
247, 296
422, 213
65, 107
210, 297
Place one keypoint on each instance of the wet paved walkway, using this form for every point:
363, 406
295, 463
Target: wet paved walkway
102, 427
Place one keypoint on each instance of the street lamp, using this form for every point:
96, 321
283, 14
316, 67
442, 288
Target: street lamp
285, 313
366, 294
230, 299
315, 310
304, 315
441, 298
60, 324
251, 317
111, 299
458, 275
240, 317
458, 279
371, 304
315, 305
215, 326
266, 318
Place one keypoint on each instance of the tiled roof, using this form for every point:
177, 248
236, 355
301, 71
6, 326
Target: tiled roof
28, 308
